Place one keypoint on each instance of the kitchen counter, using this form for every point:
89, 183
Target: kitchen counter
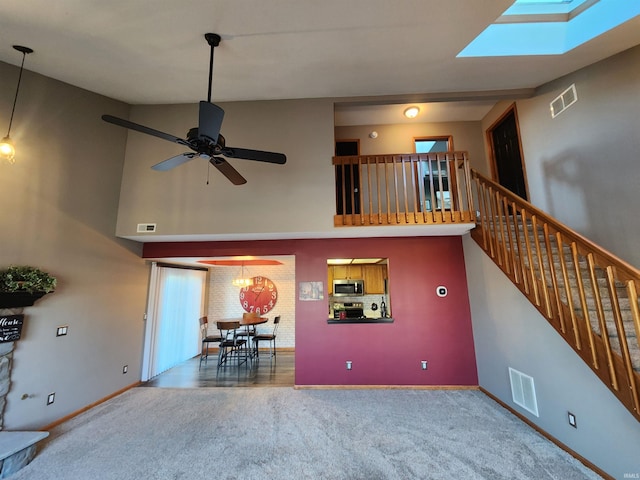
334, 321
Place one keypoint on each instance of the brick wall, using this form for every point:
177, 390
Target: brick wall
224, 300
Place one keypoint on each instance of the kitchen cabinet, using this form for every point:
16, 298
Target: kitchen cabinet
374, 277
330, 280
347, 272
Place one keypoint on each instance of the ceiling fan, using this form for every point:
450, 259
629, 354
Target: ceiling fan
205, 140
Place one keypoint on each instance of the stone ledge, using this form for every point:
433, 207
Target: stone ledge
17, 449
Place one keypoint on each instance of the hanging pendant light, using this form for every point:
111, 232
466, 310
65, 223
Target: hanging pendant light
242, 281
7, 149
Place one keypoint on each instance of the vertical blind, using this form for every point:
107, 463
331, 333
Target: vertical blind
176, 334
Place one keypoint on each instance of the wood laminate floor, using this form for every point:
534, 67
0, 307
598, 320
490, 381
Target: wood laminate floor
277, 373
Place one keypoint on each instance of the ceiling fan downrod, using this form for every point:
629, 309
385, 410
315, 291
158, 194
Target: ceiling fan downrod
213, 39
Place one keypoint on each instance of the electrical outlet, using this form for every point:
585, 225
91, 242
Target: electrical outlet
349, 364
51, 398
572, 420
61, 331
125, 369
424, 364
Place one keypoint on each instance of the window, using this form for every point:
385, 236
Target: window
433, 144
436, 179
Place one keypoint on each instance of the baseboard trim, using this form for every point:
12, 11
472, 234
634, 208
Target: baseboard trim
548, 436
88, 407
386, 387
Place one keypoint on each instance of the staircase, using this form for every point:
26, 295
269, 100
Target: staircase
588, 295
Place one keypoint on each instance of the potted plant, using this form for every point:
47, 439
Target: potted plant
21, 285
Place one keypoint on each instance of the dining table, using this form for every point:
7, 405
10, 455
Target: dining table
252, 320
249, 322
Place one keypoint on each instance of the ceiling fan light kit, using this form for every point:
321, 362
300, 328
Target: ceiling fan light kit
205, 140
7, 148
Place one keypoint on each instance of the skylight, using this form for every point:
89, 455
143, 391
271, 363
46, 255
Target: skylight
549, 27
545, 7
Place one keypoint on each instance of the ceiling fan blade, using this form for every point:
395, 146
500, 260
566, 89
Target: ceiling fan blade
257, 155
228, 171
210, 121
172, 162
142, 129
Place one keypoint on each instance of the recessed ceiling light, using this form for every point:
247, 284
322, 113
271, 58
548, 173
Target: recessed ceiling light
338, 261
411, 112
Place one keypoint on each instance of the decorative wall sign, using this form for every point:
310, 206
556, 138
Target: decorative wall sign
10, 328
311, 291
260, 297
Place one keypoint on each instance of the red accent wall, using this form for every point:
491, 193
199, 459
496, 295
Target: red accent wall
426, 327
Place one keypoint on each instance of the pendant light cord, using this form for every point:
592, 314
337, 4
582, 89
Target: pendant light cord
24, 55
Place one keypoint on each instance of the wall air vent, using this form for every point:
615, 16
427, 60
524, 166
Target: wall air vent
563, 101
523, 391
146, 228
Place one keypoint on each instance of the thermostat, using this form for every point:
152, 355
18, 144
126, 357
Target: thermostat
441, 291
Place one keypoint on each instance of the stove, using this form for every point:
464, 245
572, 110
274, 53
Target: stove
345, 310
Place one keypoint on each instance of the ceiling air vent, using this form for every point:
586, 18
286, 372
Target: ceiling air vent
563, 101
146, 227
523, 391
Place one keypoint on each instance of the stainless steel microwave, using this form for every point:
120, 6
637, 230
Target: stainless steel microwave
348, 288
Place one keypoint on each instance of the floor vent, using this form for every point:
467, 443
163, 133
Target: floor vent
563, 101
523, 391
146, 227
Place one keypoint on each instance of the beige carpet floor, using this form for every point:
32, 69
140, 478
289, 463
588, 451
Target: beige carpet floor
282, 433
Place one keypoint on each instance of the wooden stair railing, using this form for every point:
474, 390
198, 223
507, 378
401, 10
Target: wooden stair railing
587, 294
403, 189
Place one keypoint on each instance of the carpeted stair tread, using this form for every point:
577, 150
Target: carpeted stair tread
547, 260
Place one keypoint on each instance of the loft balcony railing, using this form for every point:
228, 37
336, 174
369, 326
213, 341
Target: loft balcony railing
586, 293
403, 189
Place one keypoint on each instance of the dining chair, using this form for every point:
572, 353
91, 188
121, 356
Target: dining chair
206, 340
267, 337
231, 346
247, 331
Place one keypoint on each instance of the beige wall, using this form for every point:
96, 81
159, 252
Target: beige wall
59, 212
467, 136
509, 332
583, 166
295, 197
292, 199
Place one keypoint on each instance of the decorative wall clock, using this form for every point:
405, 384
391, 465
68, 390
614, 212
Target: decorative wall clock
260, 297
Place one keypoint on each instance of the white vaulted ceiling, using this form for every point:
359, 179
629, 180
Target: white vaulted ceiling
154, 52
